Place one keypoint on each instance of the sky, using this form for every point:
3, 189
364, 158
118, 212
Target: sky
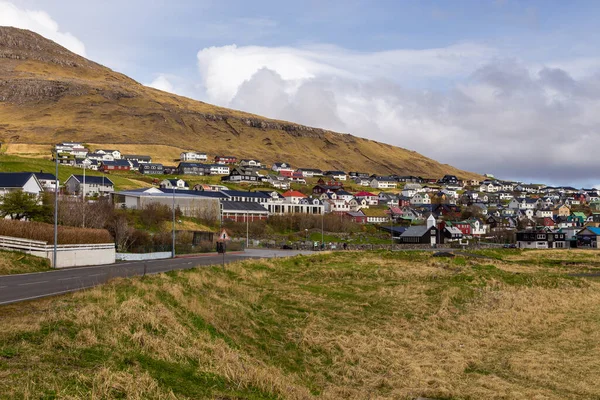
506, 87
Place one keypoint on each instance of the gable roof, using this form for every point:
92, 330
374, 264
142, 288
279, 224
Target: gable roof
14, 179
293, 193
365, 194
416, 231
93, 180
45, 176
243, 206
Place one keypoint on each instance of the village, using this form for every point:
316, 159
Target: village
412, 210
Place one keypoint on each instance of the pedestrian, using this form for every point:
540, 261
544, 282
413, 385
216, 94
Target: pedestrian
345, 246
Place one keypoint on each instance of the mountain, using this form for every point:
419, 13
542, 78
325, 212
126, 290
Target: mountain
49, 94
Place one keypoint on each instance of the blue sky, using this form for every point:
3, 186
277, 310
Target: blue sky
502, 86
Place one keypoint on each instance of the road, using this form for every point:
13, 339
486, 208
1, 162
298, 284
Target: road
16, 288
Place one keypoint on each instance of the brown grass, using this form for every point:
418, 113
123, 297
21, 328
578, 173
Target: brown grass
349, 325
45, 232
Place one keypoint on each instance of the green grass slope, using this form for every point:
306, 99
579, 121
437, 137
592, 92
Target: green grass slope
19, 263
347, 325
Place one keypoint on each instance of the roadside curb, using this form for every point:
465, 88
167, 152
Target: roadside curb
207, 254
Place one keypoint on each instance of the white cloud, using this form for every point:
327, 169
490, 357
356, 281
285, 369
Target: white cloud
161, 83
491, 114
40, 22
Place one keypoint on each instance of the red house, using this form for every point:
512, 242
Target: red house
463, 226
356, 216
225, 160
117, 165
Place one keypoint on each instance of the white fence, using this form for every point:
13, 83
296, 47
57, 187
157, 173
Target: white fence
143, 256
67, 255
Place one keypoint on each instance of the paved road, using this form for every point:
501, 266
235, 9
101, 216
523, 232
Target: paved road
15, 288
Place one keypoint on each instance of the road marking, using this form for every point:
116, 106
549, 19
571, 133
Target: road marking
32, 283
2, 287
66, 279
96, 275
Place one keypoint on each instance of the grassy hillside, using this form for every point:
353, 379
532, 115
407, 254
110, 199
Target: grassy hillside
19, 263
48, 94
347, 325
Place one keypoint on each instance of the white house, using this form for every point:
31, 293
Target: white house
178, 184
282, 167
116, 154
383, 182
250, 163
192, 156
48, 181
25, 181
219, 169
420, 199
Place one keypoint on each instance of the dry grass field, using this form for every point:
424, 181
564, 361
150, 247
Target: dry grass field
331, 326
19, 263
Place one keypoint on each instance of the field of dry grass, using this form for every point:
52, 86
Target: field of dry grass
19, 263
330, 326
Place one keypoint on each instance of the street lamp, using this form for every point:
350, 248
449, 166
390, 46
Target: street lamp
306, 235
173, 246
322, 234
83, 198
55, 209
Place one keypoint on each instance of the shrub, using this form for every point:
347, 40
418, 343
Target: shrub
45, 232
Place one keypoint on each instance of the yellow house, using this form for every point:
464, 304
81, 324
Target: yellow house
562, 211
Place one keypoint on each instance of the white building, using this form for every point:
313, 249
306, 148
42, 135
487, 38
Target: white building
192, 156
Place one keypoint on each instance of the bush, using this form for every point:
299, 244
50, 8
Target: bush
45, 232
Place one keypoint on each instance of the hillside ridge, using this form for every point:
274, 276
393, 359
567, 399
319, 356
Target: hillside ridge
49, 94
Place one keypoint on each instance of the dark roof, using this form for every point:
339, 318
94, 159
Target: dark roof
334, 173
415, 231
14, 179
243, 206
45, 176
241, 193
93, 180
121, 163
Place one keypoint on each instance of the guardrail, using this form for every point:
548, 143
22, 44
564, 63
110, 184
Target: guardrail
67, 255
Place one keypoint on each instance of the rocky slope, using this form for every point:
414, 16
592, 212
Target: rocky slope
48, 94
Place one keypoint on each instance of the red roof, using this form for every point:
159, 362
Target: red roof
365, 194
293, 193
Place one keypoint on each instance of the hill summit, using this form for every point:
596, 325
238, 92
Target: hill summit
49, 94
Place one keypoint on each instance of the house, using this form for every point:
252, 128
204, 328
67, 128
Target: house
90, 185
249, 163
357, 216
377, 215
25, 181
362, 181
243, 211
420, 199
389, 199
191, 168
588, 236
334, 204
543, 213
152, 169
239, 175
140, 159
101, 156
319, 189
410, 189
422, 234
338, 175
86, 163
310, 172
523, 203
225, 160
116, 165
278, 182
115, 154
344, 195
171, 184
383, 182
282, 168
450, 180
356, 174
541, 239
293, 196
192, 156
48, 181
561, 211
372, 199
218, 169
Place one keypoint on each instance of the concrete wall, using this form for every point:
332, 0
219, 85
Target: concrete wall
143, 256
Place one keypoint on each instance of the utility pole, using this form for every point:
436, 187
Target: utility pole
83, 198
55, 209
173, 249
247, 230
392, 229
322, 224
